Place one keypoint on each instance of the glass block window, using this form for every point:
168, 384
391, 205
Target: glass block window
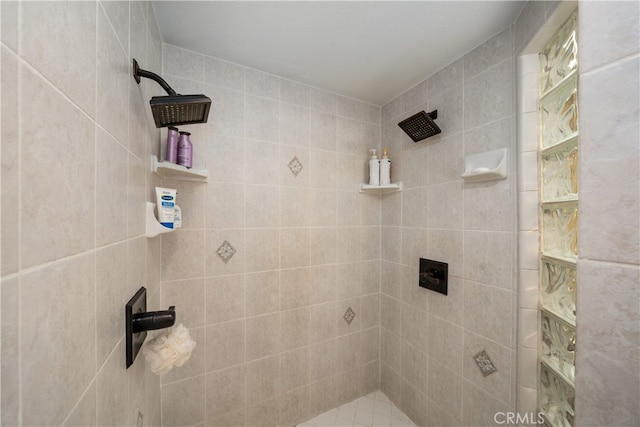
558, 280
557, 398
560, 230
559, 58
558, 173
559, 112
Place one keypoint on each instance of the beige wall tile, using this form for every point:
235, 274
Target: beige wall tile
224, 298
183, 402
10, 155
225, 344
264, 335
609, 209
10, 400
182, 254
39, 241
111, 380
225, 391
74, 77
263, 379
188, 296
619, 22
608, 350
48, 341
111, 295
262, 249
263, 293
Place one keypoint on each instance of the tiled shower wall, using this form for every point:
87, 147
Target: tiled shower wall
608, 292
273, 346
428, 340
76, 134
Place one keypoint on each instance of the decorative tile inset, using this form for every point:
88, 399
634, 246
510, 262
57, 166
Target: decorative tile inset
349, 315
484, 363
295, 166
226, 251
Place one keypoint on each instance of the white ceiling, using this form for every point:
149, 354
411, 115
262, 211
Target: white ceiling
369, 50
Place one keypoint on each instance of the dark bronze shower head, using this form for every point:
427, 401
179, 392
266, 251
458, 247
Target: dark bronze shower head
174, 109
421, 126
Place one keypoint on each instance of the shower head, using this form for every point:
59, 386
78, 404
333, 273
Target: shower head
174, 109
421, 126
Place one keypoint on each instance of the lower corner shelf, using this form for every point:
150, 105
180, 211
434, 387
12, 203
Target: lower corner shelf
387, 188
154, 228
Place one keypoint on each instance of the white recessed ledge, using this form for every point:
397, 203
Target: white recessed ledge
487, 166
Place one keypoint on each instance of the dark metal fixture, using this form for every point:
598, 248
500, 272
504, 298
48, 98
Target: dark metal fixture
433, 275
175, 109
421, 126
138, 321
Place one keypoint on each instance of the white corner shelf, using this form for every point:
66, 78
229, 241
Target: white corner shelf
154, 228
173, 171
388, 188
487, 166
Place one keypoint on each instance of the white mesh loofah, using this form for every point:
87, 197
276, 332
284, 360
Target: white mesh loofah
168, 350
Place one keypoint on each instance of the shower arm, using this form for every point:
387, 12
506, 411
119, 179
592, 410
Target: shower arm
139, 72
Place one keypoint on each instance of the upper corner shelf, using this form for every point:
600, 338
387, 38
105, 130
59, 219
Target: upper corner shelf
173, 171
486, 166
394, 186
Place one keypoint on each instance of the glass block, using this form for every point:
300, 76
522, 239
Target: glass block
559, 289
560, 172
560, 230
556, 398
559, 57
559, 345
559, 113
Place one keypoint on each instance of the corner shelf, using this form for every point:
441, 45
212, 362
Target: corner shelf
487, 166
154, 228
388, 188
173, 171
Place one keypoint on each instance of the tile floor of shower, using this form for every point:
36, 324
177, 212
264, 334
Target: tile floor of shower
373, 410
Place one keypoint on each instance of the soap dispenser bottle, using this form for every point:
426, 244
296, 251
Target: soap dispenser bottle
374, 168
385, 167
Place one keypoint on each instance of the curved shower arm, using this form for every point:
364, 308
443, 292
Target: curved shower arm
139, 72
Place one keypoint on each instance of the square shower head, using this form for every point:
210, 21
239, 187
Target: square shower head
420, 126
175, 110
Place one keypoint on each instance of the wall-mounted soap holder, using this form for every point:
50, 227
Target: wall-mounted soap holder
154, 227
138, 321
486, 166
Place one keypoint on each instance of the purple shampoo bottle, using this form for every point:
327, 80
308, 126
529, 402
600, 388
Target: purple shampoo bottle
185, 150
172, 145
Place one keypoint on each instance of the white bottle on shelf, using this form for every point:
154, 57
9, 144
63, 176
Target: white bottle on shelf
374, 168
385, 168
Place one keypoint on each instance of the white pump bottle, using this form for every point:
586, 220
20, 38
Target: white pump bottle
374, 168
385, 168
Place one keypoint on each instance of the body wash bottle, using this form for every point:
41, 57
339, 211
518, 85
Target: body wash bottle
185, 150
385, 168
172, 145
374, 168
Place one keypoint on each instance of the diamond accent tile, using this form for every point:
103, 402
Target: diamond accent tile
349, 315
295, 166
226, 251
484, 363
